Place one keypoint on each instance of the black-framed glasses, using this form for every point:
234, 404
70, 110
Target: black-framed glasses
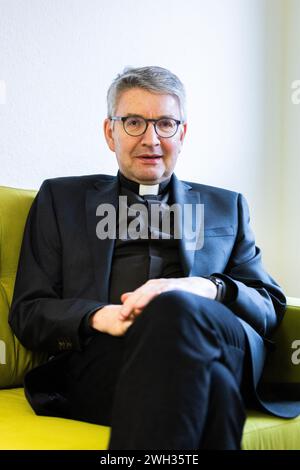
137, 125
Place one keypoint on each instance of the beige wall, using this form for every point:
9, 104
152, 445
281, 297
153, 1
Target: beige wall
236, 58
290, 222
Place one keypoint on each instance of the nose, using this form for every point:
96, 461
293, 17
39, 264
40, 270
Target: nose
150, 137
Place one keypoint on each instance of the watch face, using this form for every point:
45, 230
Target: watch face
219, 284
215, 280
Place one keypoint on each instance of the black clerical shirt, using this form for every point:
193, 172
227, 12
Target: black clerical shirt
137, 260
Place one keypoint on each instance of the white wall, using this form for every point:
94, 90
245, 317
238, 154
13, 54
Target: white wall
58, 57
290, 222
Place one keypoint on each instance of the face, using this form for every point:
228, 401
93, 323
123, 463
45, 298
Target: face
134, 153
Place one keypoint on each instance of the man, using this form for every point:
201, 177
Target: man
154, 336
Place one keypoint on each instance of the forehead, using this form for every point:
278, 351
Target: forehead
147, 104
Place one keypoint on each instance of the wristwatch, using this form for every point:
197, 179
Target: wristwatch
220, 287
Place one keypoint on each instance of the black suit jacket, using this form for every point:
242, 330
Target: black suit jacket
64, 269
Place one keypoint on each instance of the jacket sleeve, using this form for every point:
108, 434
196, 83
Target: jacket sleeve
257, 298
39, 316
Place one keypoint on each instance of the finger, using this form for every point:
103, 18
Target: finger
137, 311
125, 296
125, 310
131, 317
131, 301
125, 315
128, 307
143, 301
138, 303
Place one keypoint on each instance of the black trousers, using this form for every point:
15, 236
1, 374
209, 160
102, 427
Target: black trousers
175, 380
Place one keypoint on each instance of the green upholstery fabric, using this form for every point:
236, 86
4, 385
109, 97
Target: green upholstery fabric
268, 432
280, 366
264, 432
20, 428
15, 360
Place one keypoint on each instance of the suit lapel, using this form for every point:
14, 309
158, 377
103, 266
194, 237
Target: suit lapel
104, 192
184, 195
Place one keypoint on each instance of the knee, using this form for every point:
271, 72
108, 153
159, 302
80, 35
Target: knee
173, 322
168, 307
178, 304
163, 313
179, 301
176, 310
170, 301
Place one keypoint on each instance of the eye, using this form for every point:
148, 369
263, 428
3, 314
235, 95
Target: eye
134, 122
166, 124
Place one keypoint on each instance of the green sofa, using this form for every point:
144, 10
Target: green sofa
20, 428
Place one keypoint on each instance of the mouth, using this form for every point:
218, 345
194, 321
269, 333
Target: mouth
149, 155
149, 158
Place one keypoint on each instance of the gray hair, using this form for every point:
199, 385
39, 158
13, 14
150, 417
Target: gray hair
154, 79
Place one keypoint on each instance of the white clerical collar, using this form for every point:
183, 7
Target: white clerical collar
148, 189
143, 189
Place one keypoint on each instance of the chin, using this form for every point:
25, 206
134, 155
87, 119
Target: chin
150, 176
151, 180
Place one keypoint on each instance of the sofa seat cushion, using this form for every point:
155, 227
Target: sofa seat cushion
22, 429
265, 432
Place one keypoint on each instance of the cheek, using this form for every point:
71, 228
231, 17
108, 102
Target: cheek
122, 147
172, 149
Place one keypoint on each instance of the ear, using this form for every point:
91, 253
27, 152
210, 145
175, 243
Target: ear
182, 134
108, 133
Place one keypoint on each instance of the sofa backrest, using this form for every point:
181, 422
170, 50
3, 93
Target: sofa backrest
15, 360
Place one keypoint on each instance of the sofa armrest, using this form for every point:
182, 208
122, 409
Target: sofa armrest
283, 364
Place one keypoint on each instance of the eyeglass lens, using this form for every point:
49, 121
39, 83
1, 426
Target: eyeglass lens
135, 125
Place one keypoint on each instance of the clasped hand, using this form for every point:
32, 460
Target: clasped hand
134, 302
116, 319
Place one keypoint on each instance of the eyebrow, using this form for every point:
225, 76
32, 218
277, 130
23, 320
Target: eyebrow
164, 116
